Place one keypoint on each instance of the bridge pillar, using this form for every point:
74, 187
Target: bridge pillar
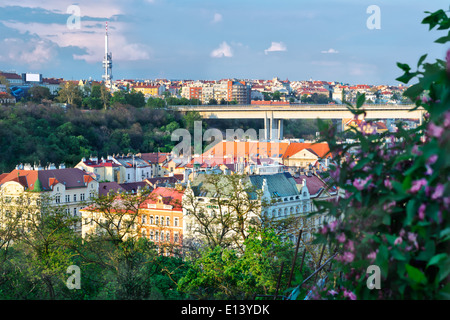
266, 127
280, 129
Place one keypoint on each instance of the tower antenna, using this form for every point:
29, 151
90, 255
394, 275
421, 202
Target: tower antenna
107, 61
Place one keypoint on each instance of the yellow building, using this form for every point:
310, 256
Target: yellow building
68, 187
149, 90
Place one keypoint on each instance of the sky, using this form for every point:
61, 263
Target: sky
331, 40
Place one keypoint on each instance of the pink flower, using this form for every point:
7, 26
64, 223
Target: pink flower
360, 184
372, 256
447, 119
416, 150
434, 130
350, 245
398, 241
341, 238
350, 295
324, 230
332, 292
432, 159
429, 171
388, 184
421, 211
417, 185
438, 192
448, 60
412, 237
332, 225
388, 205
348, 257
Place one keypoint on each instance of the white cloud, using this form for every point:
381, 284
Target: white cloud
94, 9
224, 50
217, 18
331, 50
276, 46
34, 52
90, 37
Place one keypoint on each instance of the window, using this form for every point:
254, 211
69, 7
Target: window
82, 197
58, 199
156, 236
176, 238
67, 198
167, 221
128, 176
151, 219
144, 219
167, 236
144, 233
176, 222
157, 220
74, 212
74, 197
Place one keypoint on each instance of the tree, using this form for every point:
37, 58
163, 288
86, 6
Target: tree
42, 246
39, 93
70, 93
393, 212
224, 273
4, 82
276, 96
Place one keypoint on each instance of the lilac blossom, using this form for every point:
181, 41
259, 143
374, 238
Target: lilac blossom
398, 241
421, 211
341, 238
417, 185
438, 192
434, 130
350, 295
431, 160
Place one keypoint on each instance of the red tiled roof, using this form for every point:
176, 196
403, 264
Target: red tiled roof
320, 149
70, 177
170, 196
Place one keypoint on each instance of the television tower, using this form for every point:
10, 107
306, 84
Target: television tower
107, 62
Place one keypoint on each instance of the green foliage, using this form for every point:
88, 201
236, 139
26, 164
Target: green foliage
394, 204
49, 134
222, 273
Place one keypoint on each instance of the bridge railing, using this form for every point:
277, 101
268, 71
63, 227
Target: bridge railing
289, 106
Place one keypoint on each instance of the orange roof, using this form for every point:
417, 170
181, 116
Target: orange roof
320, 149
247, 148
170, 196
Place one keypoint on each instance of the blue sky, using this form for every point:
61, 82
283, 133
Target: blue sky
215, 39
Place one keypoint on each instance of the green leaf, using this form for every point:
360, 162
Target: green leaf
404, 66
410, 212
422, 58
415, 274
360, 100
436, 259
406, 185
413, 91
443, 39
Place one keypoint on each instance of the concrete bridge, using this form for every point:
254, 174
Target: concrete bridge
273, 115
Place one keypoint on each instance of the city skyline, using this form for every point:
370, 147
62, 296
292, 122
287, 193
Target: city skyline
213, 40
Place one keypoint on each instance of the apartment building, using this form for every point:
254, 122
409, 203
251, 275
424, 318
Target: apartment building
70, 188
